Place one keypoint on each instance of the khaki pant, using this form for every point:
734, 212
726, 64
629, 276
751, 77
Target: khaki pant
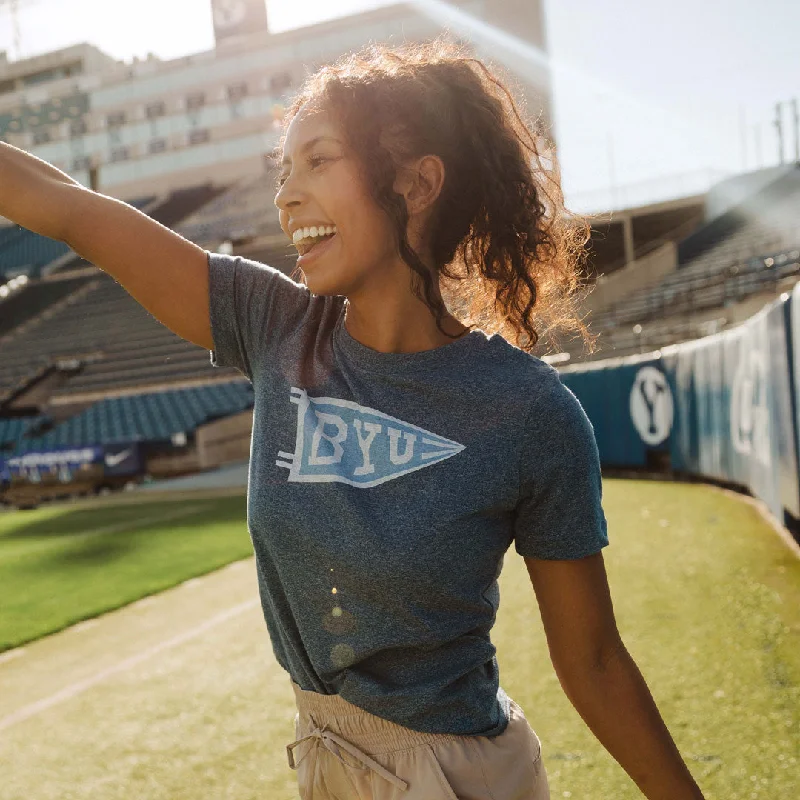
344, 753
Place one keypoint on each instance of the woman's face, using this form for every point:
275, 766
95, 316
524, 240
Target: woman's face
321, 186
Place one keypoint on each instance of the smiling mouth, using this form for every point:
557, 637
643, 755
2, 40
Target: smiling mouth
306, 246
316, 251
306, 239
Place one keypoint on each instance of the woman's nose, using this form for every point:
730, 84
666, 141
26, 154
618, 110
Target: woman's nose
287, 195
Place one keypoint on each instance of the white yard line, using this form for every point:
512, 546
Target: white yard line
75, 689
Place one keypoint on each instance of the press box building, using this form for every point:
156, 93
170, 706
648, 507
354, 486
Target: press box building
150, 126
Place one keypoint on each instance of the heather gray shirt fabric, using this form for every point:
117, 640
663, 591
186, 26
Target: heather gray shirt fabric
384, 491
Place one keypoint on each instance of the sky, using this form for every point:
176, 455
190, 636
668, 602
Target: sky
651, 99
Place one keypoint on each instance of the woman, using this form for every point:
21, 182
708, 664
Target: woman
397, 451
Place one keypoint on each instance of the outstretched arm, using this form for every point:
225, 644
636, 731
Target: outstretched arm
164, 272
601, 679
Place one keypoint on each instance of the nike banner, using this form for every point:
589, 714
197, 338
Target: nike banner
68, 464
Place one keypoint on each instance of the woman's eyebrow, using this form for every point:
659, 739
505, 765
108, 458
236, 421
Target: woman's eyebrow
309, 144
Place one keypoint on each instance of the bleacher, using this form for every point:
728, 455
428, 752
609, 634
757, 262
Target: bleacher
245, 210
703, 286
25, 252
98, 367
169, 211
32, 300
12, 431
749, 251
7, 234
183, 202
148, 417
72, 340
102, 324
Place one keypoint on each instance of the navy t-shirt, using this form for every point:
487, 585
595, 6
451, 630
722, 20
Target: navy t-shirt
384, 491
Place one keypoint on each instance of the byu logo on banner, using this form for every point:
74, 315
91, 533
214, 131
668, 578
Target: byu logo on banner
338, 440
651, 405
750, 433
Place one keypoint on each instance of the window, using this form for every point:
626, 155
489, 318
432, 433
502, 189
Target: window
155, 110
237, 91
41, 137
120, 154
199, 136
78, 128
196, 100
116, 119
157, 146
82, 162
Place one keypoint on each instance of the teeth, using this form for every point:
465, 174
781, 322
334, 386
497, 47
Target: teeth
313, 232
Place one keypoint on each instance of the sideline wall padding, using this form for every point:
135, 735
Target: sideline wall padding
629, 404
723, 407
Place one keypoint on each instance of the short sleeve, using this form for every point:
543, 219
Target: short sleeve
560, 513
252, 307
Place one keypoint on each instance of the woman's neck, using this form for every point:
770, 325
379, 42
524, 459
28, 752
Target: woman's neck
398, 329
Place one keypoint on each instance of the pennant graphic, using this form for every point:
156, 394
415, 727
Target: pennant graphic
338, 440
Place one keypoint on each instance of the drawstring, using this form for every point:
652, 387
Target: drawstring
332, 743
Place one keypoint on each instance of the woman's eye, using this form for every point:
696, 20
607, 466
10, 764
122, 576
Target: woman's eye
313, 162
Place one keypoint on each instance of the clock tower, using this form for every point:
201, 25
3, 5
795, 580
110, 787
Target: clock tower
238, 18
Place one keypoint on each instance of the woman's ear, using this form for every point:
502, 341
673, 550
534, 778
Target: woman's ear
420, 182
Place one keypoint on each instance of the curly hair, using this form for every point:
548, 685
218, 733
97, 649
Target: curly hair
509, 256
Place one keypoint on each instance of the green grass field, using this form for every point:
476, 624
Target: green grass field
707, 598
62, 565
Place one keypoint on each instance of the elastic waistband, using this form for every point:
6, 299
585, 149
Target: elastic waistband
373, 734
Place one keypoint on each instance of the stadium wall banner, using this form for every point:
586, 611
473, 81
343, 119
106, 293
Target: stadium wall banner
793, 324
65, 465
711, 408
724, 406
678, 364
784, 407
760, 451
630, 405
